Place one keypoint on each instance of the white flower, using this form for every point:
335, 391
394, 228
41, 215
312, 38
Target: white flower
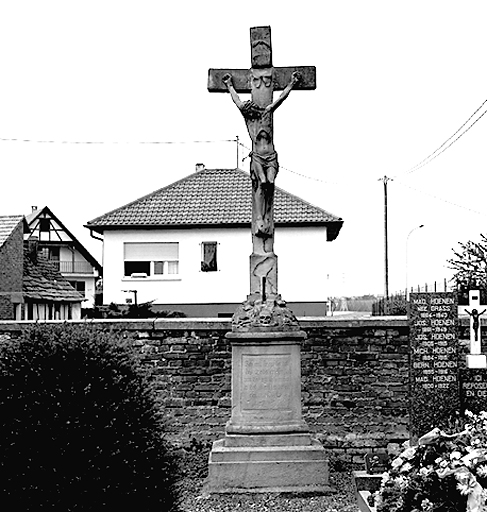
402, 481
406, 467
409, 453
466, 487
483, 415
455, 455
397, 462
467, 483
482, 471
462, 475
426, 505
425, 471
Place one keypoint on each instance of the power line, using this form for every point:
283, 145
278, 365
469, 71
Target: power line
328, 182
35, 141
160, 142
441, 149
442, 199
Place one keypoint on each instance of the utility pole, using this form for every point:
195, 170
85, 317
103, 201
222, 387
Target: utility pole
385, 180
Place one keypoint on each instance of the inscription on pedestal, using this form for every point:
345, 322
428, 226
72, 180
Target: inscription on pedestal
264, 382
266, 388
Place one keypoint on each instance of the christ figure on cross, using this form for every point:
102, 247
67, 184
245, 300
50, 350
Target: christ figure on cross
258, 115
261, 80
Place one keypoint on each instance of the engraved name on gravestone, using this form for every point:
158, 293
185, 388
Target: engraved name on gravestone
434, 374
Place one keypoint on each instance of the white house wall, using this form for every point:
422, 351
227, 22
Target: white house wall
302, 263
90, 289
66, 254
301, 256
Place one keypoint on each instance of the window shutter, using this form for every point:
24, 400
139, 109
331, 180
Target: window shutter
149, 251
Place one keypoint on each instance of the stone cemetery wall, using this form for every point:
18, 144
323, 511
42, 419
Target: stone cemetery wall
354, 378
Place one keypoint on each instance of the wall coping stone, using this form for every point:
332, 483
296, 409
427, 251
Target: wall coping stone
223, 324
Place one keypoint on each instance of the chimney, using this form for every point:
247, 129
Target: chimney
34, 208
200, 167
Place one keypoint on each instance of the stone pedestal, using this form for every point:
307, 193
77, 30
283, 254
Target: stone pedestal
267, 445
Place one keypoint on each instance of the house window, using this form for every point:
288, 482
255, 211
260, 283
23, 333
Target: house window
208, 257
44, 224
79, 286
53, 253
151, 259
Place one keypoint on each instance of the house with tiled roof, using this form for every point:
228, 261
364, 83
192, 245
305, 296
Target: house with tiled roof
65, 252
186, 246
31, 288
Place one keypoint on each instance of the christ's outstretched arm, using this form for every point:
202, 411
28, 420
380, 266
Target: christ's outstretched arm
295, 78
227, 80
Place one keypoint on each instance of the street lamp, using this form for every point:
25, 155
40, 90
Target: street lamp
407, 241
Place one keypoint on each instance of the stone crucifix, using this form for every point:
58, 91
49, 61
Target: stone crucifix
475, 359
261, 81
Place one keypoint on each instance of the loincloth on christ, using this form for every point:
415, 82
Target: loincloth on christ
262, 163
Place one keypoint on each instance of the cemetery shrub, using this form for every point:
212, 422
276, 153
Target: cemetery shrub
444, 472
79, 426
143, 310
469, 265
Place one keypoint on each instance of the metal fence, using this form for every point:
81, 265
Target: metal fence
396, 304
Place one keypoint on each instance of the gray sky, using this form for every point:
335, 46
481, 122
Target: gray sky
395, 80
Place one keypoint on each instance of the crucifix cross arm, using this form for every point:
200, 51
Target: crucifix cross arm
281, 78
227, 79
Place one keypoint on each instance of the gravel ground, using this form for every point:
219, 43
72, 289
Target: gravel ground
342, 500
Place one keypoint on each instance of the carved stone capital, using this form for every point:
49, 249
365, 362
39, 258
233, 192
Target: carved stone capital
255, 315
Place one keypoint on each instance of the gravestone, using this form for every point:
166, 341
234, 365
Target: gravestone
267, 445
434, 368
376, 463
368, 482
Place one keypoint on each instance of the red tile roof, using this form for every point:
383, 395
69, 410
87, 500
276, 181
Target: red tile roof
43, 282
211, 197
7, 225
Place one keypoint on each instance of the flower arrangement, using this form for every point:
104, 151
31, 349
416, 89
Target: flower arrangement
442, 473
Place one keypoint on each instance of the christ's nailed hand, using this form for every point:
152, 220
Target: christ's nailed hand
295, 77
227, 79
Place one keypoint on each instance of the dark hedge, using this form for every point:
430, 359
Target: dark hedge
79, 425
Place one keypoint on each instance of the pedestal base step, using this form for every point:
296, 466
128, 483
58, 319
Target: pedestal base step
267, 440
254, 469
